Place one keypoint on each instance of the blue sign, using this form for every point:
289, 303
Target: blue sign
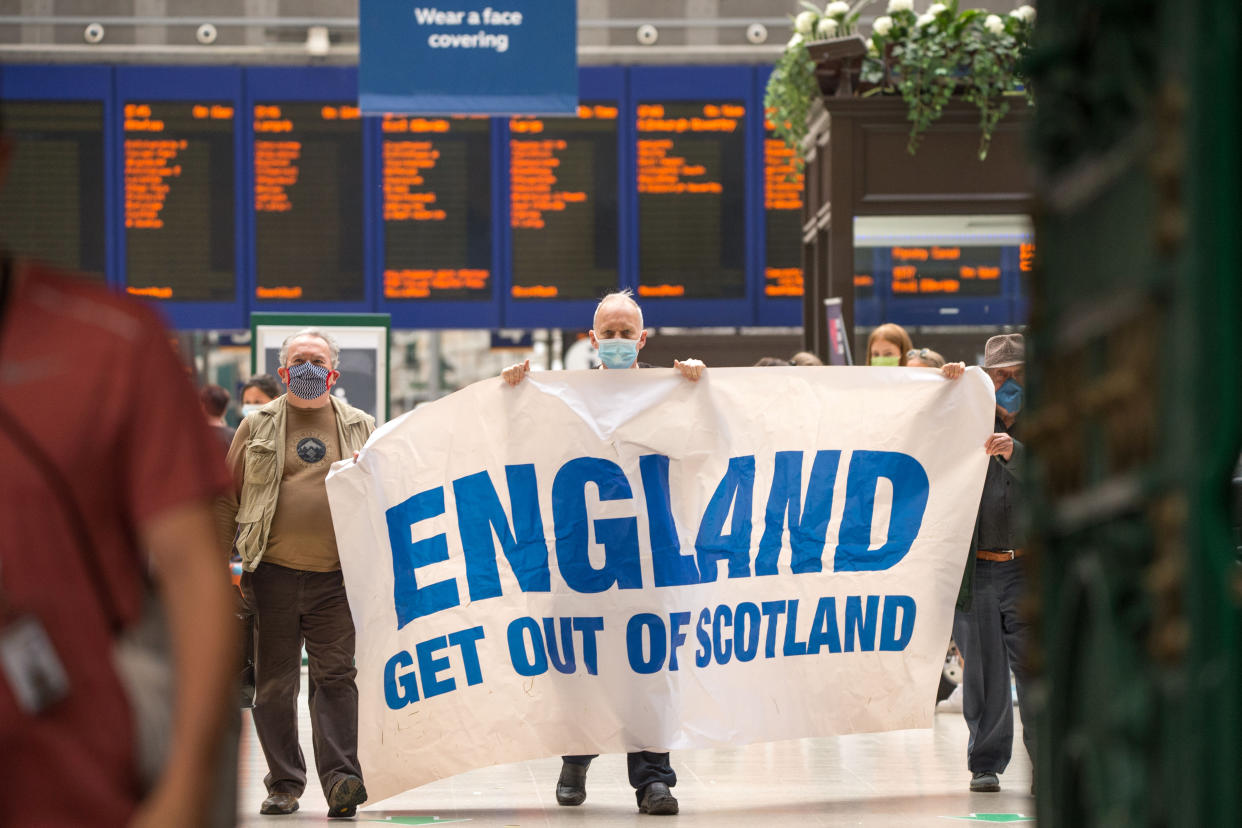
468, 58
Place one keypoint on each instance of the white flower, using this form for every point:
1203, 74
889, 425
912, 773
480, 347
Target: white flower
925, 20
804, 22
794, 41
837, 9
882, 26
1027, 13
871, 50
827, 27
900, 6
937, 8
994, 24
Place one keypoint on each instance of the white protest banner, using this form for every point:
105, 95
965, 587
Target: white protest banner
605, 561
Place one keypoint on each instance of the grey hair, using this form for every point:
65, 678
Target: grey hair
334, 347
626, 296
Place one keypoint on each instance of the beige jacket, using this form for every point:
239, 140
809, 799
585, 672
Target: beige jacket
265, 465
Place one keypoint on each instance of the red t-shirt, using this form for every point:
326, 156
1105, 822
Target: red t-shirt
92, 377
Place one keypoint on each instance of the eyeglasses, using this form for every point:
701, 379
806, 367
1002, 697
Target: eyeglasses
917, 353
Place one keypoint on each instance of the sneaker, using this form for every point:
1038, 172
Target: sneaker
279, 803
984, 782
571, 786
345, 797
658, 800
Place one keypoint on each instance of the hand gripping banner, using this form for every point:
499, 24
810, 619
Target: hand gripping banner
606, 561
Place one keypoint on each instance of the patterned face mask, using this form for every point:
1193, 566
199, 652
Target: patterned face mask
308, 381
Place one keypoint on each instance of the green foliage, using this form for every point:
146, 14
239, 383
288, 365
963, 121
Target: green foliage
927, 59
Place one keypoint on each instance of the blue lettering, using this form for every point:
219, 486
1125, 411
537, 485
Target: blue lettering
856, 621
567, 643
464, 640
479, 513
746, 631
619, 536
671, 567
676, 637
890, 639
910, 490
589, 627
824, 627
807, 527
409, 599
722, 649
736, 491
400, 690
793, 647
429, 667
703, 656
773, 611
634, 642
527, 661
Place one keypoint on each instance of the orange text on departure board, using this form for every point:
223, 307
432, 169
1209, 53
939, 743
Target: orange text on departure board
275, 163
661, 290
149, 165
783, 281
1026, 257
532, 178
534, 291
405, 163
418, 284
715, 118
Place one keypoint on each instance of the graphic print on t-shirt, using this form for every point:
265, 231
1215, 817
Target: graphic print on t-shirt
311, 450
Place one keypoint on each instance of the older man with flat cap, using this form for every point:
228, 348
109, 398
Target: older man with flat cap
989, 628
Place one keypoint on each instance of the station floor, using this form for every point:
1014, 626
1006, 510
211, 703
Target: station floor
906, 778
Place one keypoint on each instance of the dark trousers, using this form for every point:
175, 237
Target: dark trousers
645, 767
992, 638
291, 606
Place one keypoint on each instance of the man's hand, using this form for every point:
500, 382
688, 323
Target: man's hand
516, 373
999, 445
691, 369
953, 370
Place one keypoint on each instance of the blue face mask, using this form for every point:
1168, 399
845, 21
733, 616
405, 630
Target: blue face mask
1009, 396
308, 380
618, 353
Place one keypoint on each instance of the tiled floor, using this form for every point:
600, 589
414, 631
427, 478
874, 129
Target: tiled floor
908, 778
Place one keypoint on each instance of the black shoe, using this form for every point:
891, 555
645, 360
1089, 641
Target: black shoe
658, 800
571, 786
345, 797
279, 803
984, 782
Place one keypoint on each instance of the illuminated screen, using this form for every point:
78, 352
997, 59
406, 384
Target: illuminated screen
308, 201
437, 208
782, 201
563, 204
52, 203
691, 200
864, 273
179, 200
948, 270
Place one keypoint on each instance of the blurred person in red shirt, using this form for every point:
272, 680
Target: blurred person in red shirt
105, 498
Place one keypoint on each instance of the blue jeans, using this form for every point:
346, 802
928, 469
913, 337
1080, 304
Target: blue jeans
992, 639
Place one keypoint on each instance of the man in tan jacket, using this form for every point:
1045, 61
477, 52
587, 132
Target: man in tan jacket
277, 517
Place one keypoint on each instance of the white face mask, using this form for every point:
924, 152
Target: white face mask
247, 410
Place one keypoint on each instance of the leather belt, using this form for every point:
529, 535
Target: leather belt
998, 555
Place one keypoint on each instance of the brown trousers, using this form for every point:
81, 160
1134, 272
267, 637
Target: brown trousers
291, 606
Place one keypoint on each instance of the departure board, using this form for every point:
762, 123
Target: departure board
52, 203
691, 199
179, 200
437, 208
782, 202
864, 273
937, 271
563, 204
308, 202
